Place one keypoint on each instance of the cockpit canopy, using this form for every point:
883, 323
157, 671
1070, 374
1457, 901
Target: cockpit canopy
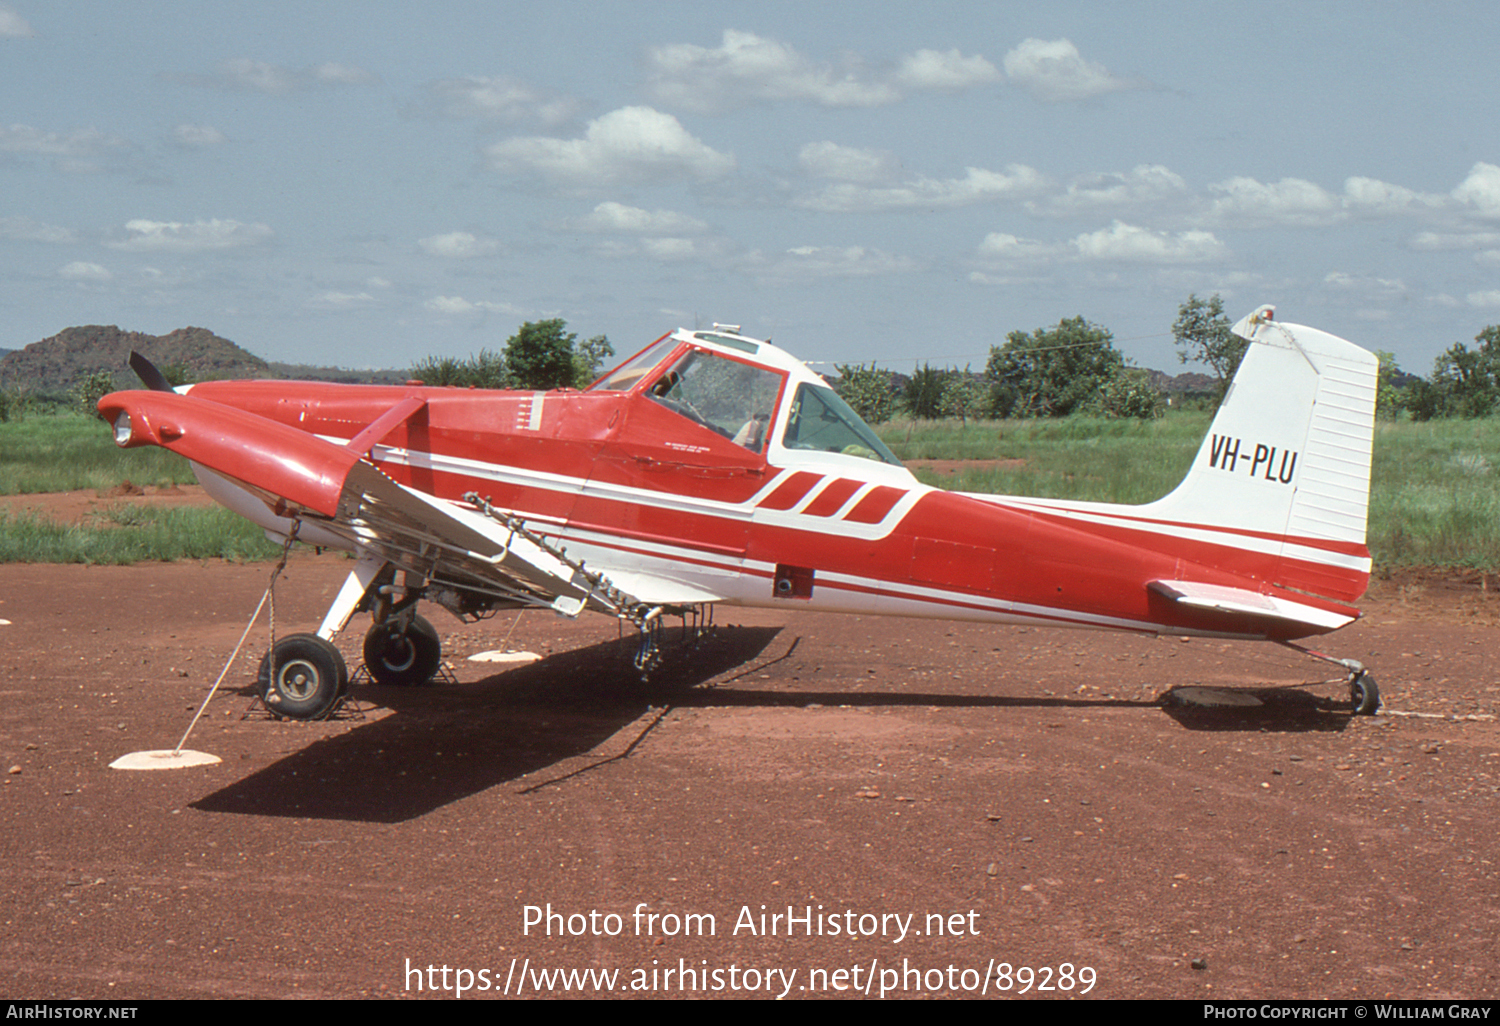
750, 392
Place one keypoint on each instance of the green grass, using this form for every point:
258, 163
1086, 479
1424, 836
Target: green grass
132, 534
1435, 497
1089, 458
65, 452
1435, 494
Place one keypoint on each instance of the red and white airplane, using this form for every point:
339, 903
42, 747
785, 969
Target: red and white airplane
711, 467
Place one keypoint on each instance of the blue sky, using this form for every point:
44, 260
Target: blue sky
368, 183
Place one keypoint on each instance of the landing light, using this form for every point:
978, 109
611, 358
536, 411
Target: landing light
122, 429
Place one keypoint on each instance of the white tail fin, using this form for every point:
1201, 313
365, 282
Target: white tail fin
1288, 455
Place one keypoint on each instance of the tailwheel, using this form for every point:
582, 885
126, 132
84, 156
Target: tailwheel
1364, 696
403, 655
302, 678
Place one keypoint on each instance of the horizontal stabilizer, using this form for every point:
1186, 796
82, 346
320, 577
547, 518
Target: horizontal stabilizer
1241, 602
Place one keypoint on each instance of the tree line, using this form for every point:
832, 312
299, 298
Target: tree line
1073, 367
539, 356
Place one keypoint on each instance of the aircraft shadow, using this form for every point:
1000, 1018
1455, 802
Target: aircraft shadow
1276, 710
1279, 710
446, 743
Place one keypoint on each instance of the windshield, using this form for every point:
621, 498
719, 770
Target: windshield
624, 377
822, 421
733, 398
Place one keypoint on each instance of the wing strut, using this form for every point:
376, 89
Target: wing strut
382, 425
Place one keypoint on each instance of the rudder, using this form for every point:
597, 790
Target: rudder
1288, 456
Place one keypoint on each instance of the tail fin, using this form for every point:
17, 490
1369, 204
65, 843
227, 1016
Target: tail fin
1287, 459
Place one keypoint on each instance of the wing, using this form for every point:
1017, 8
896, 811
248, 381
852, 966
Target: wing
280, 476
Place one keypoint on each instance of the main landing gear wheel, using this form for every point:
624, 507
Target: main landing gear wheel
403, 657
1364, 696
310, 677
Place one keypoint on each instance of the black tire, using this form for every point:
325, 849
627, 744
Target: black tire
406, 659
310, 677
1364, 696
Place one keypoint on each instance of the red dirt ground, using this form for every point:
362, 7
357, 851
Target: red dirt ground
1024, 795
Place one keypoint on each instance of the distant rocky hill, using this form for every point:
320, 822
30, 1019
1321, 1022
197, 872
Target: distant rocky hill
54, 365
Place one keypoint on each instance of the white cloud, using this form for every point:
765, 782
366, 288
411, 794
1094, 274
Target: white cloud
935, 69
746, 68
82, 143
278, 79
343, 74
458, 306
845, 163
13, 26
1484, 299
259, 76
458, 245
1437, 241
1365, 284
632, 144
617, 217
1291, 201
1247, 203
669, 248
977, 186
839, 262
1146, 183
495, 99
341, 301
1001, 246
24, 229
1127, 243
1375, 196
180, 237
84, 151
1481, 190
449, 305
80, 270
1054, 70
197, 136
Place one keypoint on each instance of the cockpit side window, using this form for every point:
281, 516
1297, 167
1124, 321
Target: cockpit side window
821, 421
734, 399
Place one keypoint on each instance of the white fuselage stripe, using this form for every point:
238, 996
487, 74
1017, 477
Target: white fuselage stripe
1126, 518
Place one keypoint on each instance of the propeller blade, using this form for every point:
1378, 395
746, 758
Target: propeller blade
147, 372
